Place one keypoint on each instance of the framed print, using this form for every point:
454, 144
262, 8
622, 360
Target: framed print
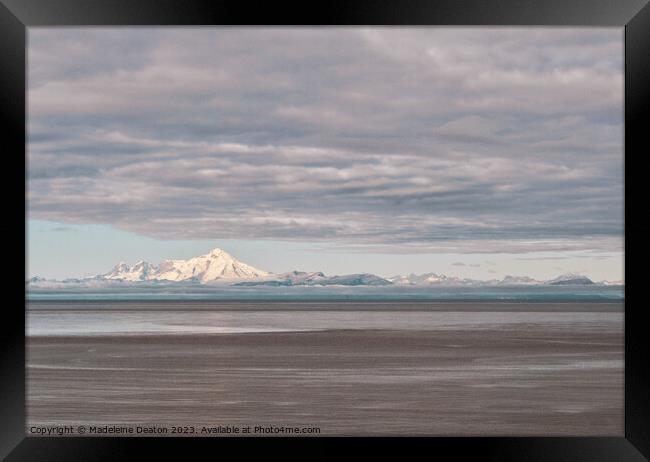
366, 219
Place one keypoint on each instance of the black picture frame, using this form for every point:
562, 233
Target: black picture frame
633, 15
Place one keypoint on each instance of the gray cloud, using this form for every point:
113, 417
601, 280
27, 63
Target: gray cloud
471, 140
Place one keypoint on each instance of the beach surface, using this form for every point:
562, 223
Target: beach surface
526, 378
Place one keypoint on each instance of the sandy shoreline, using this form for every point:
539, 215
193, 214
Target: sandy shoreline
528, 380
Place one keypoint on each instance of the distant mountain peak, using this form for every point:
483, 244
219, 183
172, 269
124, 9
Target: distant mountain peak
570, 275
218, 266
213, 266
217, 252
570, 279
302, 278
443, 280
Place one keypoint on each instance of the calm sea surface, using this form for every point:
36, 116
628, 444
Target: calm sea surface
186, 292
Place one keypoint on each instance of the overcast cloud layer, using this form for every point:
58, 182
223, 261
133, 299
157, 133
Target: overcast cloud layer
465, 140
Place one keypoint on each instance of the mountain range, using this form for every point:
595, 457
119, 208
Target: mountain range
219, 267
443, 280
216, 265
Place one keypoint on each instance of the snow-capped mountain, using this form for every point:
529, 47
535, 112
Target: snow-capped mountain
519, 281
434, 279
36, 280
570, 279
141, 271
611, 283
301, 278
216, 265
219, 266
213, 266
442, 280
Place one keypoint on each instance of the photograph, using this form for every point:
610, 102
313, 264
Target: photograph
325, 231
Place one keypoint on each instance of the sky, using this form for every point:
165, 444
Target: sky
475, 152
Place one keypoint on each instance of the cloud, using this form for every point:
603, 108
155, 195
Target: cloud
474, 140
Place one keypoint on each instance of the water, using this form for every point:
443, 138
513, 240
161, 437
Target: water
223, 318
357, 293
347, 368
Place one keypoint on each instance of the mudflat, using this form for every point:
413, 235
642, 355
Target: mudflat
500, 380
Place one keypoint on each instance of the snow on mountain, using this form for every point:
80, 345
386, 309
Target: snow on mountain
611, 283
362, 279
442, 280
519, 281
218, 266
570, 279
434, 279
213, 266
294, 278
141, 271
35, 280
301, 278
